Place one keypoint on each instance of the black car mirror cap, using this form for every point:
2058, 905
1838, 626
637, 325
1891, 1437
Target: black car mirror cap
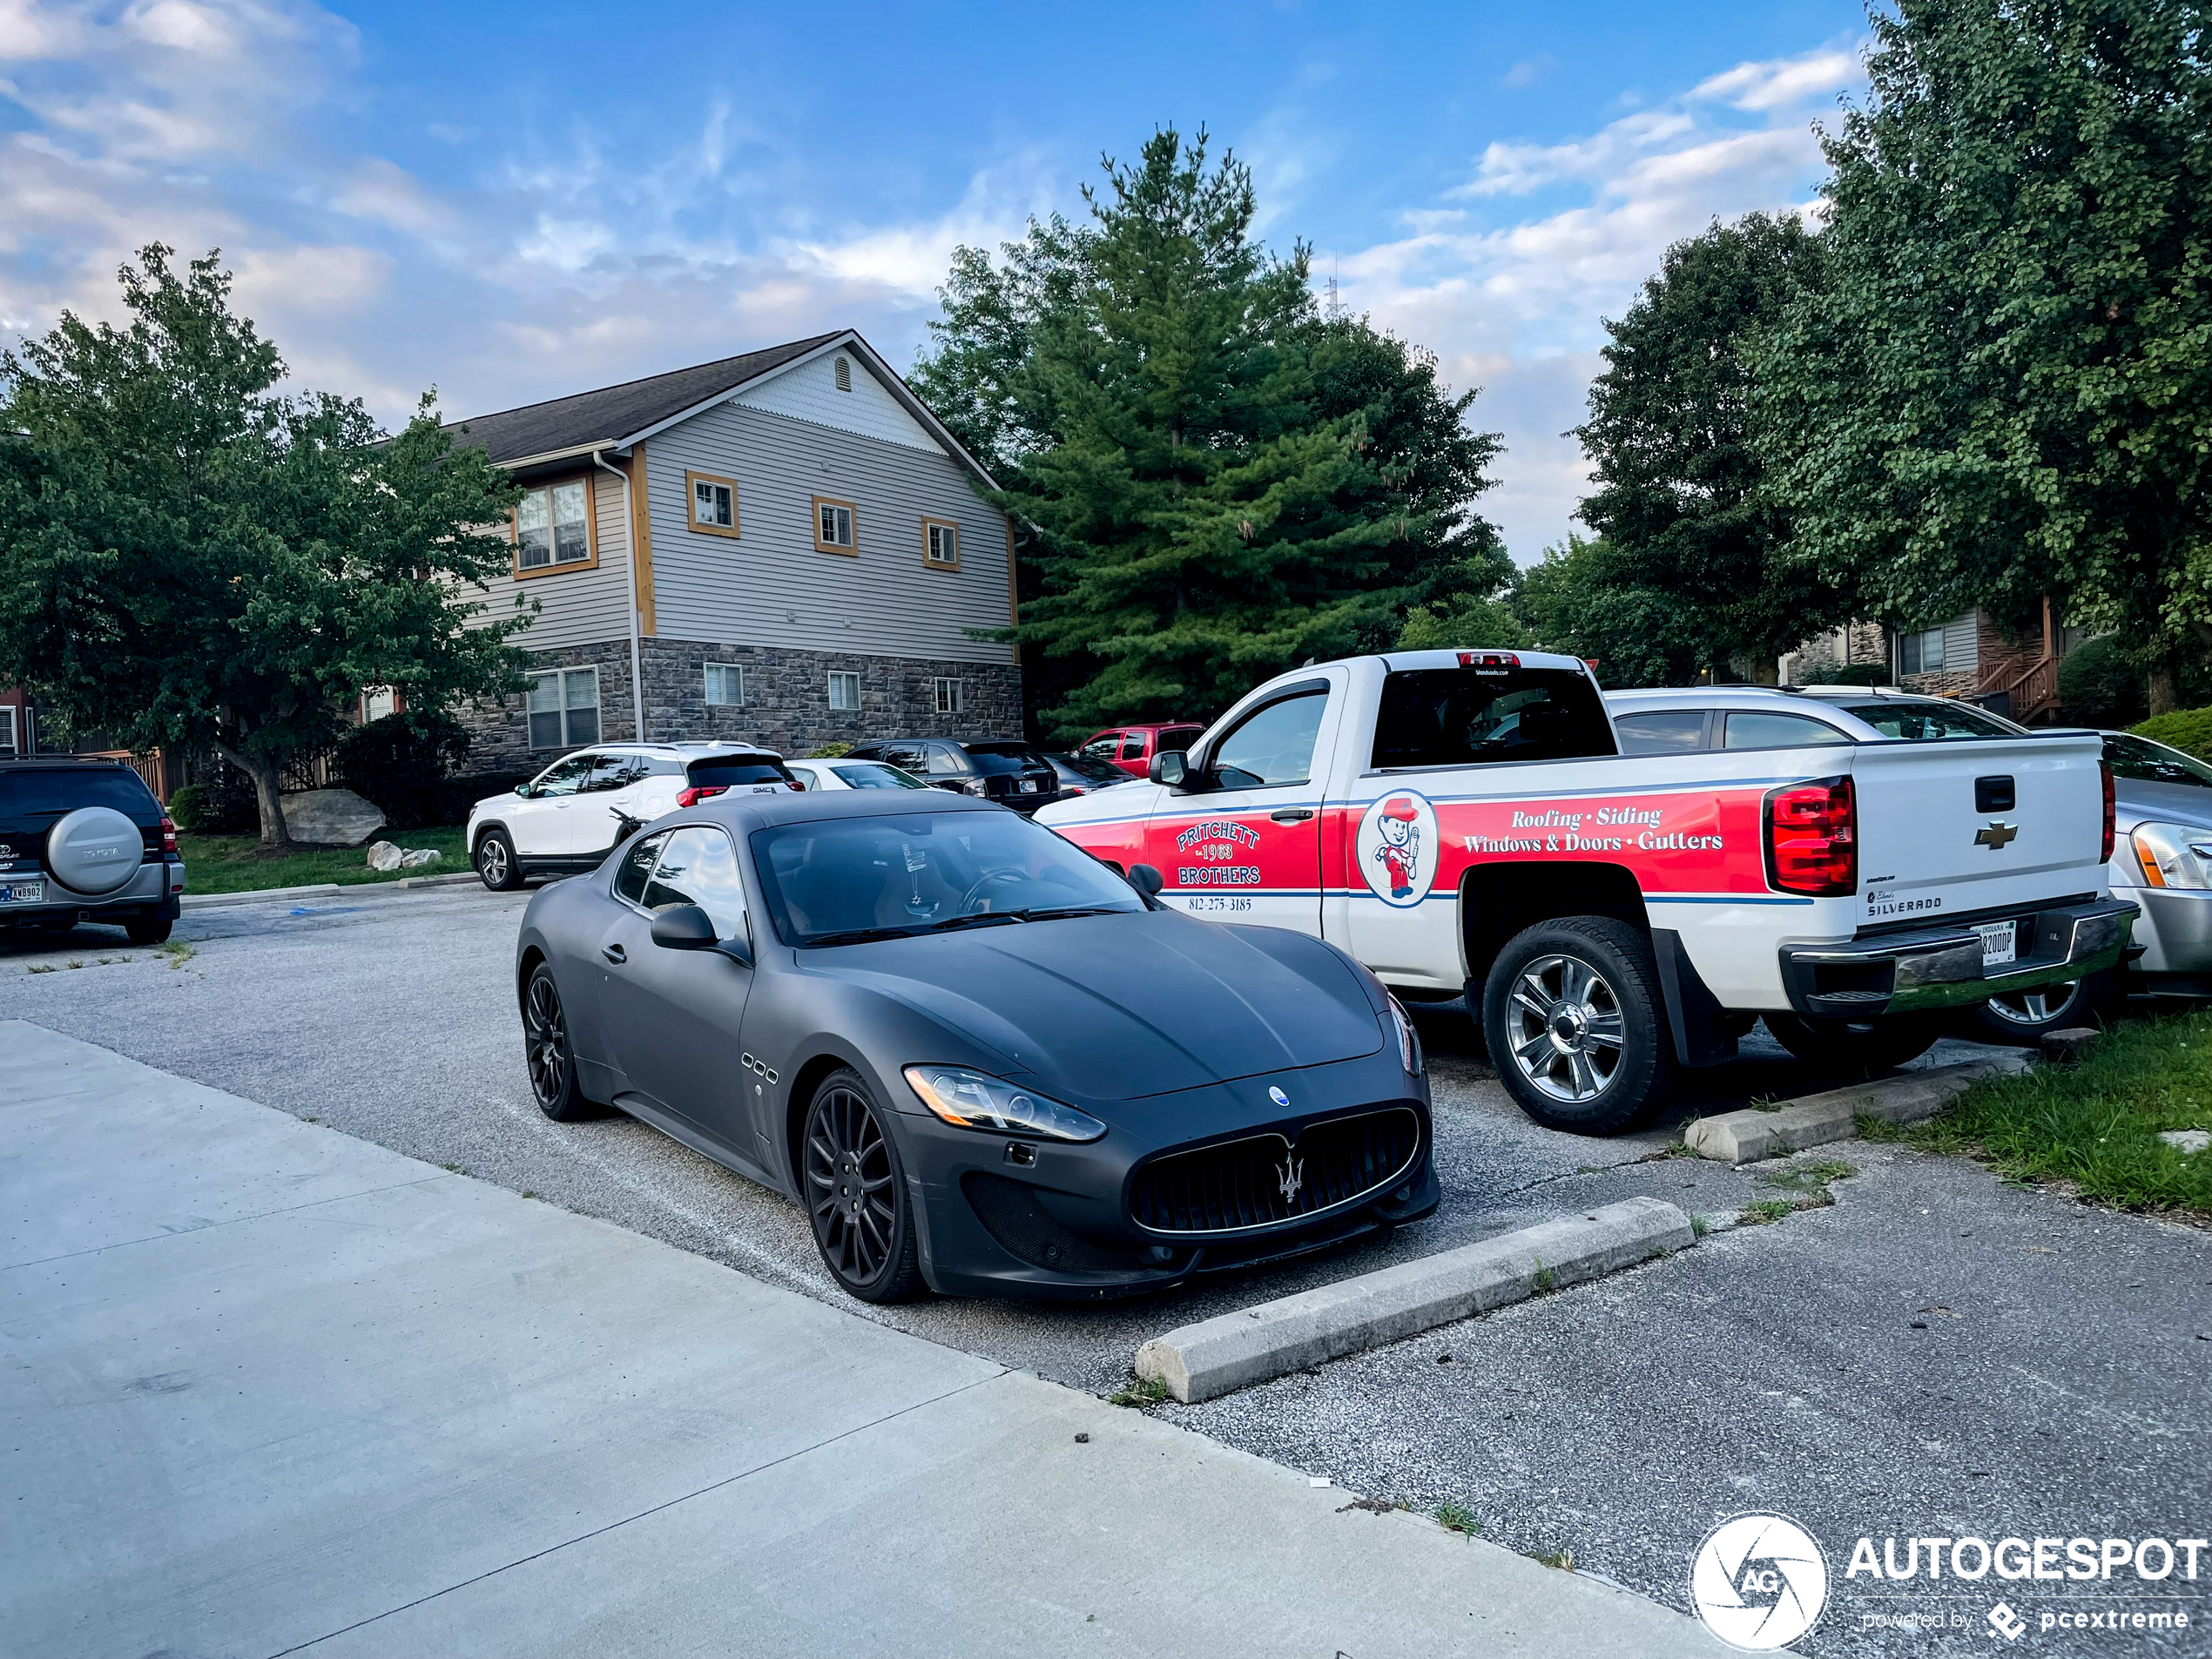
1147, 880
1172, 769
683, 927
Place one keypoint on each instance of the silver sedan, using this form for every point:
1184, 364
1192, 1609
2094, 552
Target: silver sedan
2161, 859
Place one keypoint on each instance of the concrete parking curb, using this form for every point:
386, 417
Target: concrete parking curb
1217, 1356
259, 895
409, 883
1815, 1120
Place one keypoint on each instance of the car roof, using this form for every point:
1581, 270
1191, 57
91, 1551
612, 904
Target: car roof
55, 763
685, 750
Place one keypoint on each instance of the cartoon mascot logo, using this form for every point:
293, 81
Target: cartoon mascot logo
1398, 849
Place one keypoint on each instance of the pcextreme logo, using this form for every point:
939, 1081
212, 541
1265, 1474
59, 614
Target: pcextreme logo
1758, 1581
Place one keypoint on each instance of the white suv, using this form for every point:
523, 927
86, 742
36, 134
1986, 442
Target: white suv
580, 808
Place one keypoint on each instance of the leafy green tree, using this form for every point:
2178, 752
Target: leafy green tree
189, 560
1680, 502
2000, 391
1579, 601
1216, 481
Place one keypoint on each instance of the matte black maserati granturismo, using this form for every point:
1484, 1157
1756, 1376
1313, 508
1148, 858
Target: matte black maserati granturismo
982, 1062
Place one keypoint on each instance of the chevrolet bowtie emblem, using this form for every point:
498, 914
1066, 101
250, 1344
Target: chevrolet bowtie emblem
1995, 836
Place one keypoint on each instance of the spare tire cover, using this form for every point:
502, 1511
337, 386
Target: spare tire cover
95, 849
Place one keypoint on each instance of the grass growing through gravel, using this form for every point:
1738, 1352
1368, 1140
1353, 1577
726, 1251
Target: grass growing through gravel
1145, 1390
2094, 1124
1803, 1186
233, 864
1457, 1517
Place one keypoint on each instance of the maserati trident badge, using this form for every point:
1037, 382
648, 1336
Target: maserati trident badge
1289, 1176
1995, 837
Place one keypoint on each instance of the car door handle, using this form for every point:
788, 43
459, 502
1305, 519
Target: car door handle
614, 953
1291, 815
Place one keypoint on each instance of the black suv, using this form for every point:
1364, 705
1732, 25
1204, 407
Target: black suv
85, 840
1010, 772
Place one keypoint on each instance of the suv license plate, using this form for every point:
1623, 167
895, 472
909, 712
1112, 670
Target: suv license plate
1997, 943
22, 893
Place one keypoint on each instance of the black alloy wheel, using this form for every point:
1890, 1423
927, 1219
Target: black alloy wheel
2021, 1018
496, 865
552, 1057
856, 1198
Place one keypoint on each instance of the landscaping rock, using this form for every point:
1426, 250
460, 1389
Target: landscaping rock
2064, 1047
385, 856
2187, 1140
419, 857
331, 818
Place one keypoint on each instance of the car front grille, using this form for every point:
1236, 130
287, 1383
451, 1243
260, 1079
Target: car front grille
1265, 1179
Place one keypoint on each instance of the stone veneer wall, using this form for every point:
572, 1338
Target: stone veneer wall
787, 705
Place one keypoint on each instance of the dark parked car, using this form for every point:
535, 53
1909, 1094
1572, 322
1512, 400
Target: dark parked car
1006, 771
85, 840
1080, 776
980, 1060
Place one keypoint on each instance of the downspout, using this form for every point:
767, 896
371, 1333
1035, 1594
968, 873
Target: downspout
630, 541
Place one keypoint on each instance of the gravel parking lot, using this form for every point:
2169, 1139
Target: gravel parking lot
1937, 1354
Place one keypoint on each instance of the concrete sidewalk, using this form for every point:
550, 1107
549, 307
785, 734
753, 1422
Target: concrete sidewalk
269, 1387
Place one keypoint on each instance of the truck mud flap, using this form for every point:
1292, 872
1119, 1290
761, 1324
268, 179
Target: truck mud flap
1703, 1035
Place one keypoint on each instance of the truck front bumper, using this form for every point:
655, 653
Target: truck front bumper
1940, 967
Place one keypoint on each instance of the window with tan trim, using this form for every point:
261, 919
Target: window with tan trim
940, 544
552, 529
714, 504
833, 529
7, 731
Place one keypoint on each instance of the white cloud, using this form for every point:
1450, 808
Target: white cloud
1781, 82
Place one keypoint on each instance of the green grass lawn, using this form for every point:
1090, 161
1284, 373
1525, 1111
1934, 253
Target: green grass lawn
2095, 1124
229, 864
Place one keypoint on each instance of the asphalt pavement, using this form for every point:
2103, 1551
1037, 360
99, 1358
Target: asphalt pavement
2060, 1381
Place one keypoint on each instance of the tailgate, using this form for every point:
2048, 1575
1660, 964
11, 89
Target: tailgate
1928, 851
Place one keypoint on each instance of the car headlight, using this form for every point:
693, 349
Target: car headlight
2174, 855
1409, 1041
975, 1100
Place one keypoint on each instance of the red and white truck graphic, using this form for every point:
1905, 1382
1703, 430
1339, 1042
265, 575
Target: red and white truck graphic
1463, 823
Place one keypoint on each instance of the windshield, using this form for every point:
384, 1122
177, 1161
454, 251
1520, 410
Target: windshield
1445, 716
1931, 721
727, 771
843, 880
1102, 771
871, 774
2154, 763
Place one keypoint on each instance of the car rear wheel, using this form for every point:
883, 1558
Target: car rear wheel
856, 1195
1856, 1046
496, 865
2023, 1017
152, 931
552, 1057
1576, 1026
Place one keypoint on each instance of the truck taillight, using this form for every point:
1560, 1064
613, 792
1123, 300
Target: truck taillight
1811, 843
1488, 660
2112, 809
698, 792
169, 829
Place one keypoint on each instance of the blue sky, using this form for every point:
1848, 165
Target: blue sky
512, 202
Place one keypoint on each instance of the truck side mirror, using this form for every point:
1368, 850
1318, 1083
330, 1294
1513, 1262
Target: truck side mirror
1172, 768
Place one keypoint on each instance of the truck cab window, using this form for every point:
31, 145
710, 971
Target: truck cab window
1446, 717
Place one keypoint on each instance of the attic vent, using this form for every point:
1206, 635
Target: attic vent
843, 375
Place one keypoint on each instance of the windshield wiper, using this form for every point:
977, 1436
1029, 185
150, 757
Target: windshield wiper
978, 919
1069, 910
859, 936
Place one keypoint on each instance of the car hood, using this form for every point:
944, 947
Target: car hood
1124, 1005
2139, 802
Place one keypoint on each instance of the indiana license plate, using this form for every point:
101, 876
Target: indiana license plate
22, 893
1998, 943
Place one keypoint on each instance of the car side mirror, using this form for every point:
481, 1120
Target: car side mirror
526, 792
683, 927
1147, 880
1172, 768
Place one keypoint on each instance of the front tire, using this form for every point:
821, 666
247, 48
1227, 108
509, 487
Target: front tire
1857, 1047
554, 1079
855, 1190
1576, 1028
2022, 1019
496, 865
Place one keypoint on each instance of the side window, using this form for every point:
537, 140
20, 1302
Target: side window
608, 771
566, 777
1756, 730
1101, 748
1272, 746
943, 762
1133, 748
1662, 731
699, 866
637, 865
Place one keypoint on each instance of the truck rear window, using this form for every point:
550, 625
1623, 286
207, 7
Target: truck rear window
728, 770
1446, 717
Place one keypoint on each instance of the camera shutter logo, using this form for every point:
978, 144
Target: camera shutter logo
1759, 1581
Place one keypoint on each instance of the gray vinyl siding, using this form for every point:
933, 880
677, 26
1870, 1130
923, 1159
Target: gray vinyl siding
579, 607
770, 586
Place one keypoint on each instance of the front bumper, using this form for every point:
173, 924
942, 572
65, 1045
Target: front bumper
2175, 930
1059, 1227
1940, 967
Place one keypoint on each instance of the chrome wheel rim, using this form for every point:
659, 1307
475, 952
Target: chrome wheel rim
546, 1035
491, 858
1565, 1028
849, 1186
2034, 1007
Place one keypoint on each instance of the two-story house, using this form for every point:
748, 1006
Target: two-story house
784, 547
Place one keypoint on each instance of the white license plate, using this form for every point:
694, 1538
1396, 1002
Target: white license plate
1997, 943
22, 893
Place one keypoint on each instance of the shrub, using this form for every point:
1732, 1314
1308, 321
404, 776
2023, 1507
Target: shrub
1849, 674
222, 803
2187, 730
830, 752
400, 763
2098, 686
457, 795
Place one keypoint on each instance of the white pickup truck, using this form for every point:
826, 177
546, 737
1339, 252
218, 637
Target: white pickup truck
1463, 823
